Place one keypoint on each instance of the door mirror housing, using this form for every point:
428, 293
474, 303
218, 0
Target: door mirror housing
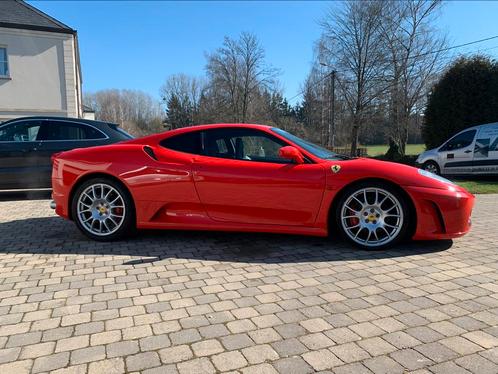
291, 153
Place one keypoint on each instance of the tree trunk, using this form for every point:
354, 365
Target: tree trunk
404, 137
354, 139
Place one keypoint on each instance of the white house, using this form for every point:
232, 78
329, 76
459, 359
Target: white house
40, 71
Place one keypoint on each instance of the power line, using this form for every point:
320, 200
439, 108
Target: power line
455, 46
416, 56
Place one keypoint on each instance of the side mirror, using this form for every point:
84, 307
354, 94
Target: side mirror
291, 153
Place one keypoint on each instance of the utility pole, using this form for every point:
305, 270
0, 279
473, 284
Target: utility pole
331, 126
331, 138
323, 130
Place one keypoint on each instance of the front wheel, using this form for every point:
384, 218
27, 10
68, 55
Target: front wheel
103, 210
432, 167
373, 215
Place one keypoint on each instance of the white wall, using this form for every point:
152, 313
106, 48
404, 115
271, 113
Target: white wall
89, 115
43, 75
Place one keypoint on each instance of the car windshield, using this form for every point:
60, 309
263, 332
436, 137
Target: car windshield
314, 149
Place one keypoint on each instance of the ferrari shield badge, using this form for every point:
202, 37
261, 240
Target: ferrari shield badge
336, 168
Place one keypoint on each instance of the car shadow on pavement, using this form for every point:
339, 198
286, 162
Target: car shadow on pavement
53, 235
24, 195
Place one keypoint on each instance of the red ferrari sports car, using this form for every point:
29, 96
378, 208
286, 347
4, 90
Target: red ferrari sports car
239, 177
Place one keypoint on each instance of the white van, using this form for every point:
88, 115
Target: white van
472, 151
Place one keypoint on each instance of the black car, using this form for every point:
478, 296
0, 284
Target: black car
26, 145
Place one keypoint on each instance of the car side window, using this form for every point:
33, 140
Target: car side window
60, 130
189, 142
22, 131
460, 141
243, 144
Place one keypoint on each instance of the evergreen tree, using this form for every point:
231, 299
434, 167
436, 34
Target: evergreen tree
466, 95
178, 115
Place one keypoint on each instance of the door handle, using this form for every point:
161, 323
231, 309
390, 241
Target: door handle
467, 151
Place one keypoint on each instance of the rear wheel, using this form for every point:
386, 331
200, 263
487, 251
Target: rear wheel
373, 215
432, 167
103, 210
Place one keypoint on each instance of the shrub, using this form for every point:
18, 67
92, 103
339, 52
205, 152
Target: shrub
466, 95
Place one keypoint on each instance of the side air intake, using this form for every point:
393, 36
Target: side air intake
150, 152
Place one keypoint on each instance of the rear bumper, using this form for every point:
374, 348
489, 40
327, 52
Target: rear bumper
60, 198
441, 214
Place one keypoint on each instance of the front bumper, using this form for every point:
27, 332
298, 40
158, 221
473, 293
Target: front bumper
441, 214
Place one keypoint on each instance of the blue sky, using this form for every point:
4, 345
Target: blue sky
137, 44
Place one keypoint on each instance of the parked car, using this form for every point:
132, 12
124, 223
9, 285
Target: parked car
473, 151
27, 144
252, 178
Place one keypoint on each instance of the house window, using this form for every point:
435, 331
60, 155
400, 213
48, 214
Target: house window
4, 63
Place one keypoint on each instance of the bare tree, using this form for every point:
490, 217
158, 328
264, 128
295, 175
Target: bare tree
187, 91
313, 105
136, 111
224, 73
352, 42
237, 72
256, 74
413, 53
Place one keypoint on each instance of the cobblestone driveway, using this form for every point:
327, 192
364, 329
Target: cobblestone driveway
210, 302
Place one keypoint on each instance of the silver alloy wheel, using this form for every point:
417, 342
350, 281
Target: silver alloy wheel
431, 167
372, 217
101, 209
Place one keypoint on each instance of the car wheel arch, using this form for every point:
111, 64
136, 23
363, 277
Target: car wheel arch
337, 198
90, 176
435, 163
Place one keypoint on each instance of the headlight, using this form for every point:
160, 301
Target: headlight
428, 174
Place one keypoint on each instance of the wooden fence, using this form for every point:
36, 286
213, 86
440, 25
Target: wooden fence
360, 151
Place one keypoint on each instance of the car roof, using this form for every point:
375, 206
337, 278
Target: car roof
69, 119
479, 126
219, 125
184, 130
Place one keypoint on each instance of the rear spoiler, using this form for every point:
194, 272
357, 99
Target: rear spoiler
115, 127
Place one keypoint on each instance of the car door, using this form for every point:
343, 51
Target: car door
241, 179
486, 150
19, 143
457, 154
63, 135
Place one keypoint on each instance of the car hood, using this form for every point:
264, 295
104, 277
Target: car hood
403, 175
430, 153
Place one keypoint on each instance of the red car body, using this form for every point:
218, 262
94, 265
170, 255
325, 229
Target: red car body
177, 190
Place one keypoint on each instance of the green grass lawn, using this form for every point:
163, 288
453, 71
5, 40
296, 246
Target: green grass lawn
478, 185
381, 149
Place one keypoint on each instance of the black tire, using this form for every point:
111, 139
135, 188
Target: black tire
403, 206
126, 228
432, 166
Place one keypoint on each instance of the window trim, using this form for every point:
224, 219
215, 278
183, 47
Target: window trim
106, 137
17, 122
264, 134
183, 133
443, 147
202, 134
43, 122
6, 76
